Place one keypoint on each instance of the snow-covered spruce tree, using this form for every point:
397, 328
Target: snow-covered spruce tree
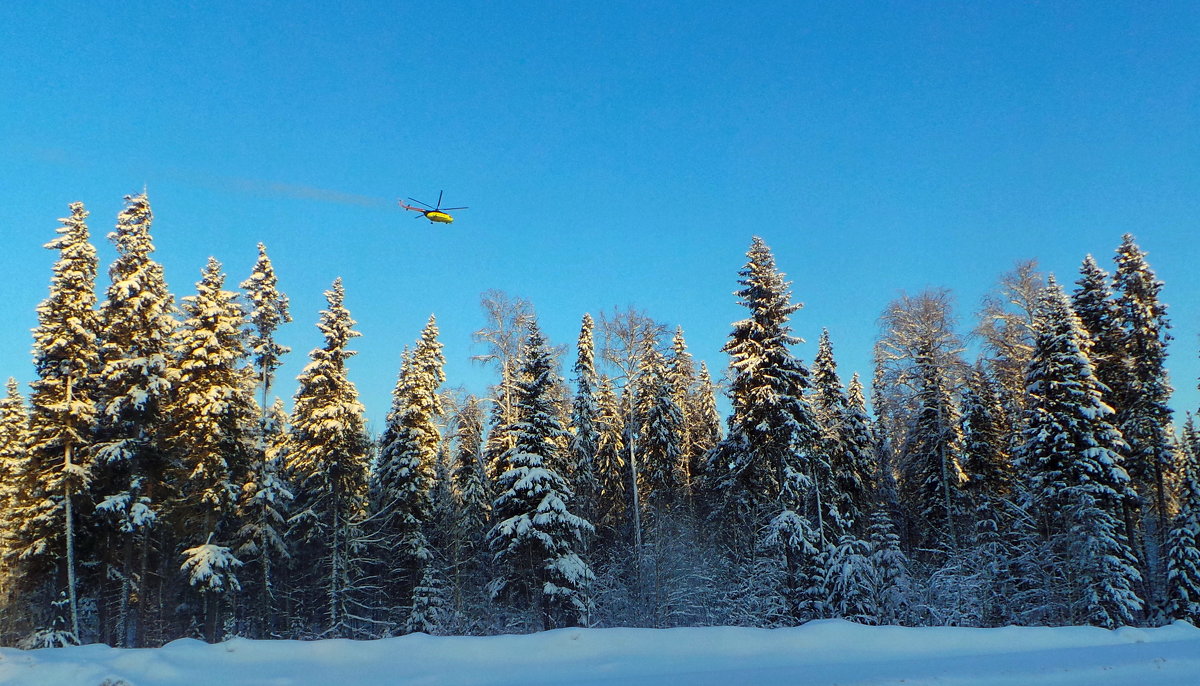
327, 457
268, 309
1073, 454
585, 413
1093, 302
131, 461
464, 550
891, 593
1143, 415
791, 565
661, 439
918, 368
66, 357
705, 432
403, 479
212, 431
859, 442
612, 502
15, 497
771, 422
262, 518
985, 459
536, 538
1183, 548
845, 446
681, 379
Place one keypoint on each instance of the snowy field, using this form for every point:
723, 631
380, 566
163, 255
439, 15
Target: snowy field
826, 652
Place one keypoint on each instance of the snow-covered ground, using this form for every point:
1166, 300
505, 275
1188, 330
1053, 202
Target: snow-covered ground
826, 652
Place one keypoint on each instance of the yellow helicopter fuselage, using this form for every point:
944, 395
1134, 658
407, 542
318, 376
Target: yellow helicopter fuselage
438, 216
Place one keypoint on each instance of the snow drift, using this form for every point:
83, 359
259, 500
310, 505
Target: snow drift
823, 652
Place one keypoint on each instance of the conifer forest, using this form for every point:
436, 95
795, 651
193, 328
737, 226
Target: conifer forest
153, 486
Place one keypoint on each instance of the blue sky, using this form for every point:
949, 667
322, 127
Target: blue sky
612, 154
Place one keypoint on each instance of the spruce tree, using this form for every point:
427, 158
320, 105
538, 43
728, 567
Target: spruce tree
268, 310
612, 501
771, 421
212, 411
1073, 453
1183, 549
63, 414
705, 432
984, 459
1143, 415
262, 510
585, 412
16, 479
405, 472
536, 537
212, 429
327, 456
132, 461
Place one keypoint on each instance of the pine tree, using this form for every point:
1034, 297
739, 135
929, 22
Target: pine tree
1073, 452
1183, 549
63, 414
327, 456
268, 310
771, 420
137, 374
536, 536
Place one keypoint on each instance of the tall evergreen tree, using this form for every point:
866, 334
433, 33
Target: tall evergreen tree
212, 430
1143, 415
612, 498
1183, 549
262, 511
585, 413
212, 411
137, 374
327, 456
15, 479
405, 475
705, 431
1073, 453
63, 413
985, 460
771, 421
536, 538
268, 310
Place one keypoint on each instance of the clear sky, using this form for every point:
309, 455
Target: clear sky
611, 153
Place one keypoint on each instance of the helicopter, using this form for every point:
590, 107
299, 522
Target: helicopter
434, 213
